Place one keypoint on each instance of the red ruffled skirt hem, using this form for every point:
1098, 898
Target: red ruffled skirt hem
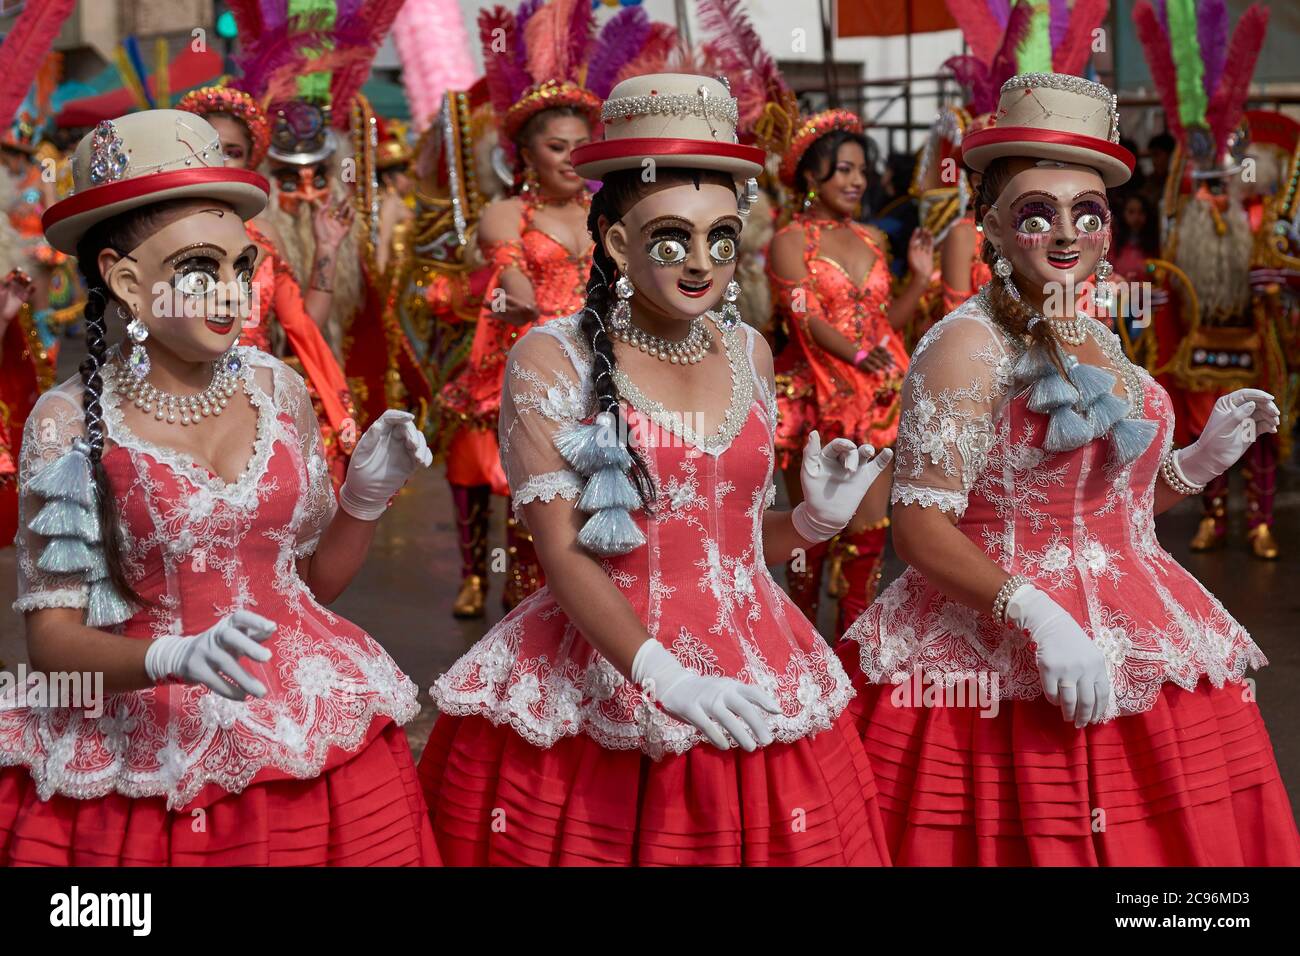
365, 812
1190, 782
495, 799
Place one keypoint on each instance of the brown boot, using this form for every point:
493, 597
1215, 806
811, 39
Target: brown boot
471, 598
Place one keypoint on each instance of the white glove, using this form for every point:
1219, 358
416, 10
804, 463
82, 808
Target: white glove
1235, 421
706, 703
388, 454
205, 658
1071, 666
834, 479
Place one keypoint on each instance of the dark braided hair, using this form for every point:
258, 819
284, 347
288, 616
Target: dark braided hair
121, 234
1011, 313
818, 161
621, 190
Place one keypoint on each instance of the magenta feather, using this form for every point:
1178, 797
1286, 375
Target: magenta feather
1155, 43
1003, 66
272, 53
735, 45
25, 48
1071, 56
619, 42
658, 47
1212, 33
980, 25
1059, 21
1001, 10
272, 16
1228, 102
581, 35
506, 79
973, 75
522, 16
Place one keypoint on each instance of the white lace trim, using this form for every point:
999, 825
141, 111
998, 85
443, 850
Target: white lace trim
911, 626
63, 597
545, 701
182, 774
566, 484
953, 502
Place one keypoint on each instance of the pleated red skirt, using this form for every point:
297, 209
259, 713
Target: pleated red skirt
365, 812
495, 799
1191, 782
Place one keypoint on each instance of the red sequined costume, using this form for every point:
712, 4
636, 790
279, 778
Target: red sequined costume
279, 302
559, 281
824, 392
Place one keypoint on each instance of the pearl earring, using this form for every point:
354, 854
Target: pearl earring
1002, 269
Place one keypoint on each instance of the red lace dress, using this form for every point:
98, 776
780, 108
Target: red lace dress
987, 772
278, 300
318, 771
559, 281
537, 726
823, 391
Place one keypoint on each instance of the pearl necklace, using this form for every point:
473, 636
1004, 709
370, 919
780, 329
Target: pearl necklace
1070, 331
687, 351
187, 409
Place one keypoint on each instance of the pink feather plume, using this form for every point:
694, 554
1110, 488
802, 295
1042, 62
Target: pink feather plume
25, 49
981, 28
1225, 108
1071, 55
1155, 43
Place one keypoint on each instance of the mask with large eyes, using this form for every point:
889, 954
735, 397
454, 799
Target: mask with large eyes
723, 247
1090, 218
1035, 219
196, 278
668, 250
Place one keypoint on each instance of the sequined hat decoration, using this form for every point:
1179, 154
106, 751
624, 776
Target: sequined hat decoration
145, 158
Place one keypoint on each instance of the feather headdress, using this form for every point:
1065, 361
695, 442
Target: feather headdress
1203, 77
1020, 36
315, 50
549, 55
24, 51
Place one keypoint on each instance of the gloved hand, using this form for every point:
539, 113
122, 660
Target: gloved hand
706, 703
388, 454
1071, 666
834, 479
204, 658
1235, 421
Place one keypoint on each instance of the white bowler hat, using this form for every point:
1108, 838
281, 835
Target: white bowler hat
145, 158
1053, 116
676, 119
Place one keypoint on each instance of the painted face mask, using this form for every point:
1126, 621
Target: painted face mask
301, 184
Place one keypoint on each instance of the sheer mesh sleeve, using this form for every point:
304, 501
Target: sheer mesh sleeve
960, 372
316, 502
760, 361
543, 392
54, 422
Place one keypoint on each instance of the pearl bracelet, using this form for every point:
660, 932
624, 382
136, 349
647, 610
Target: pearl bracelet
1010, 587
1174, 477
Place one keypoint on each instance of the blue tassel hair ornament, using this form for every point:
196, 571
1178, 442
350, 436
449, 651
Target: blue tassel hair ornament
1080, 406
608, 495
69, 521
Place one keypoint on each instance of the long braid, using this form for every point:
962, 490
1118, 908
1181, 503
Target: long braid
594, 315
92, 380
1012, 313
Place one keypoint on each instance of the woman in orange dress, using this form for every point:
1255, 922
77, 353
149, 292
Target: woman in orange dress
831, 284
537, 247
284, 322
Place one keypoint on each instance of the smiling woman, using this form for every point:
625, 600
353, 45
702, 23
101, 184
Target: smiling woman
163, 496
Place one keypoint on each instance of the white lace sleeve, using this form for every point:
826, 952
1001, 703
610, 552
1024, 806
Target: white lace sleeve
316, 502
55, 421
960, 372
543, 391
